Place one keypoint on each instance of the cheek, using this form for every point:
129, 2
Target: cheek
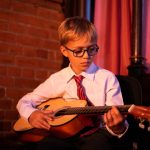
74, 61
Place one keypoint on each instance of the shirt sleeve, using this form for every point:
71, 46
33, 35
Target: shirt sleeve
118, 135
113, 92
114, 97
27, 104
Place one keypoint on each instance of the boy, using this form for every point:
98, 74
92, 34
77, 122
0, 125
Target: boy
78, 42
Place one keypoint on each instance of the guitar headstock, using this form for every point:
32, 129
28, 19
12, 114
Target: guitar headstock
143, 114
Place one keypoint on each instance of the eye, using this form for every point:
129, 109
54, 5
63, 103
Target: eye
92, 48
79, 51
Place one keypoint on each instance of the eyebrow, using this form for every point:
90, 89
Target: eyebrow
84, 47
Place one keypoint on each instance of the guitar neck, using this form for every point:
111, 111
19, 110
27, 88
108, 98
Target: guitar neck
91, 110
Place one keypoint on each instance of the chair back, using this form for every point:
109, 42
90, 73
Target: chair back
131, 90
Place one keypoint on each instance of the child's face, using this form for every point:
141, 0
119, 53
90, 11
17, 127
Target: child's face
82, 63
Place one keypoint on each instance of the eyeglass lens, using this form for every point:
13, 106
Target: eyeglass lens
90, 50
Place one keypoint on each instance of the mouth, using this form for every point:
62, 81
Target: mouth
85, 63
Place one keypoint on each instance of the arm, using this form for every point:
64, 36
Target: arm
27, 105
114, 120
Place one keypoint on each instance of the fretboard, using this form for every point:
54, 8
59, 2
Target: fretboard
91, 110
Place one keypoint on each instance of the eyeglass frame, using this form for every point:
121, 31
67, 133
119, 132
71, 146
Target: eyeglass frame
85, 49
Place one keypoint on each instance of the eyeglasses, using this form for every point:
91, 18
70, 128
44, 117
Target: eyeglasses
91, 50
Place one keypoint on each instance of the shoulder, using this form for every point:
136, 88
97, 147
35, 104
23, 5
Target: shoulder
106, 76
63, 75
100, 73
105, 73
95, 69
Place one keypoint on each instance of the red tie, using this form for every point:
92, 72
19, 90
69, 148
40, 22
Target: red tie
80, 88
81, 94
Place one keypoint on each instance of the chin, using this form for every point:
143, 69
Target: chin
84, 69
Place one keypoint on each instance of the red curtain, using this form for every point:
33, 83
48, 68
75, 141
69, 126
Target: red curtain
112, 19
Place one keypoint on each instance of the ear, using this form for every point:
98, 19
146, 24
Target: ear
64, 51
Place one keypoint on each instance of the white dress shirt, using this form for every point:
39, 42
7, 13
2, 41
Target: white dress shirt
101, 87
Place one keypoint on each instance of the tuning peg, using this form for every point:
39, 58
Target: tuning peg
148, 128
141, 125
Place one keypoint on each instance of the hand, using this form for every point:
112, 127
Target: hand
115, 121
40, 118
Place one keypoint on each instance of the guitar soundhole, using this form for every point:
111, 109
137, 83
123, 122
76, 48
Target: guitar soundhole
45, 107
60, 113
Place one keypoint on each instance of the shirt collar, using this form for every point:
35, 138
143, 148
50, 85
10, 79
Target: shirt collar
89, 73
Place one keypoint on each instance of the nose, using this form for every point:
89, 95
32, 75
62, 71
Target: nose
86, 55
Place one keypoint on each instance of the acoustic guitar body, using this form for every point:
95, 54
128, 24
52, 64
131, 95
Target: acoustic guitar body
61, 127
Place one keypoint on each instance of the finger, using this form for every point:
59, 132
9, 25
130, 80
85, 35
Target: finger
108, 118
49, 114
45, 125
48, 118
47, 111
115, 111
117, 117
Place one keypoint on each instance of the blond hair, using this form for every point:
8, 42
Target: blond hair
74, 28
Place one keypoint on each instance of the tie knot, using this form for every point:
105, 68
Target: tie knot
78, 79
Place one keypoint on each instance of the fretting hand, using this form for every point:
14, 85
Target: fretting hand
115, 121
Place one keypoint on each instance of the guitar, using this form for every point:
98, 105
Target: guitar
70, 117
